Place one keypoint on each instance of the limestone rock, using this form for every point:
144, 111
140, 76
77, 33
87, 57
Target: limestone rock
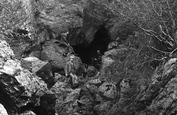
61, 15
106, 62
23, 84
54, 51
60, 87
73, 95
108, 90
103, 107
10, 67
65, 102
5, 50
85, 103
95, 14
19, 83
3, 110
33, 64
42, 69
19, 48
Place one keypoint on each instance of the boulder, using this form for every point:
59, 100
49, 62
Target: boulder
55, 52
60, 88
18, 85
77, 101
73, 95
19, 48
23, 84
103, 107
106, 62
65, 102
33, 64
35, 54
47, 75
3, 110
42, 69
108, 90
5, 50
60, 15
10, 67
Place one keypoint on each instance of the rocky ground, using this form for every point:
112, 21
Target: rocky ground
116, 76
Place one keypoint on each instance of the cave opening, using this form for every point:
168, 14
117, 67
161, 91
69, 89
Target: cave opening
100, 42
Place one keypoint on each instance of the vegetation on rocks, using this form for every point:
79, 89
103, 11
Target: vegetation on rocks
122, 54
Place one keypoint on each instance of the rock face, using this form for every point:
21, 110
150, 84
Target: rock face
36, 84
17, 84
153, 99
95, 15
55, 53
61, 14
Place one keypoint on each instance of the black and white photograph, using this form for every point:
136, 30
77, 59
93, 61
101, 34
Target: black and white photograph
88, 57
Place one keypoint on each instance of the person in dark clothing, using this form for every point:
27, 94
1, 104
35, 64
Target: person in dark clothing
97, 60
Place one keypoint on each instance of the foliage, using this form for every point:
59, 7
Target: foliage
156, 41
12, 15
156, 18
133, 63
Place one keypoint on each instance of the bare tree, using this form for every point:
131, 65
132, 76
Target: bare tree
157, 18
12, 15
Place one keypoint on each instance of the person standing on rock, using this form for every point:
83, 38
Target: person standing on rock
70, 70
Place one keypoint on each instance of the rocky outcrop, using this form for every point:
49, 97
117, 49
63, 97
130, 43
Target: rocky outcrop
41, 68
36, 84
16, 83
95, 15
157, 97
57, 54
60, 15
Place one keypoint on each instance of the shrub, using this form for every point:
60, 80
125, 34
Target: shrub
12, 15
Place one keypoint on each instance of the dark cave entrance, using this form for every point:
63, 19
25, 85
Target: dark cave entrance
100, 42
